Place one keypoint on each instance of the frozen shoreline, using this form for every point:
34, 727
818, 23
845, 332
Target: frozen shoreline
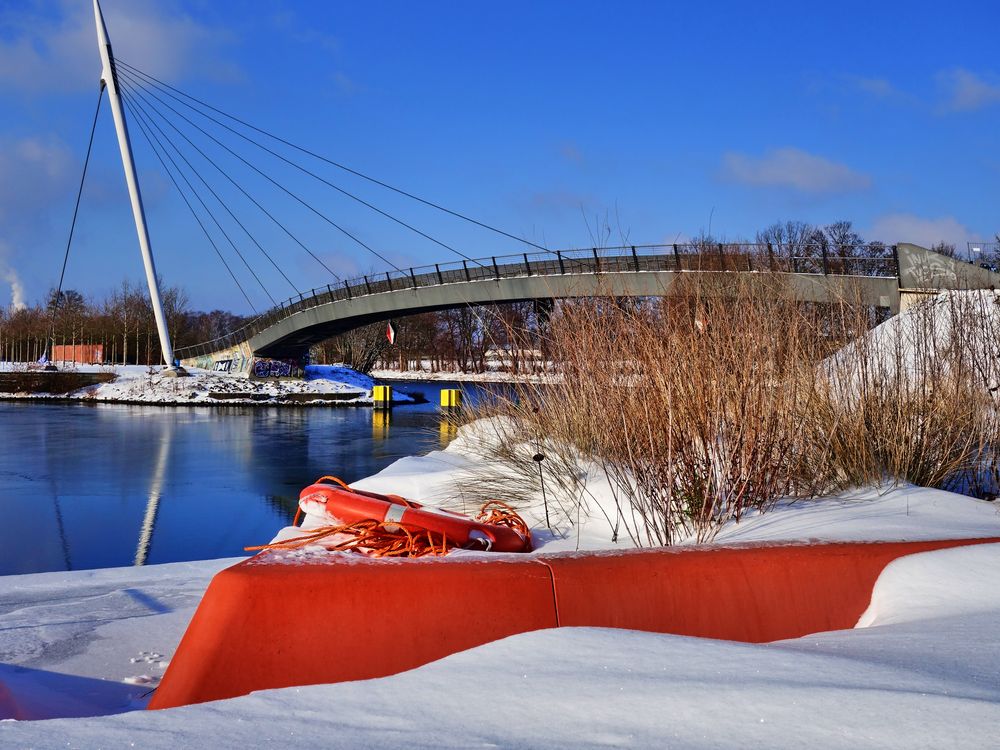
134, 384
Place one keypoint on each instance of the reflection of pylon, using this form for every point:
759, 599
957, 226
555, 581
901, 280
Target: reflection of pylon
380, 423
153, 498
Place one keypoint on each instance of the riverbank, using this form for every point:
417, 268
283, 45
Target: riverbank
135, 384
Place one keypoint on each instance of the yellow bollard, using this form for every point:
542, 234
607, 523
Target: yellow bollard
382, 396
451, 398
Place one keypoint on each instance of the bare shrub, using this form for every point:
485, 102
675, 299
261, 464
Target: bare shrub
693, 406
916, 399
728, 395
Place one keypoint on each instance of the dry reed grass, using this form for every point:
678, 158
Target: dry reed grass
724, 397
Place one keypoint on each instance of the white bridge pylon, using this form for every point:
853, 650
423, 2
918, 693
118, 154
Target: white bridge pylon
109, 81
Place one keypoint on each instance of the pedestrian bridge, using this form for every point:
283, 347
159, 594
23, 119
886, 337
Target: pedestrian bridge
288, 330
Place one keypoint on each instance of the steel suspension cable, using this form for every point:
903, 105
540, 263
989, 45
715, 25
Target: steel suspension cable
204, 182
319, 178
76, 207
253, 200
267, 177
249, 197
431, 204
149, 139
141, 114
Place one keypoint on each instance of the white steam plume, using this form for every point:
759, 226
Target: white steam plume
8, 274
16, 288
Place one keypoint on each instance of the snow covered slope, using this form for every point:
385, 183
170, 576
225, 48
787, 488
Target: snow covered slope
921, 677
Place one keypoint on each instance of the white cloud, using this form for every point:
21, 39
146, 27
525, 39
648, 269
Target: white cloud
571, 152
877, 87
46, 52
900, 227
344, 83
795, 169
965, 91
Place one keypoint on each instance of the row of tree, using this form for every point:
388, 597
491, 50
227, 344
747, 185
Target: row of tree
122, 323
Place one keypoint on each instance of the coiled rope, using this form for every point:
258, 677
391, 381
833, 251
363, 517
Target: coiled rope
389, 539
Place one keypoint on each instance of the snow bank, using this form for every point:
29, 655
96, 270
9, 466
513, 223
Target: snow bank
136, 384
941, 329
93, 642
490, 376
924, 682
930, 585
902, 513
339, 374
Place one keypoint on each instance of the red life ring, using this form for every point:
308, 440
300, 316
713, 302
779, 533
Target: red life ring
346, 505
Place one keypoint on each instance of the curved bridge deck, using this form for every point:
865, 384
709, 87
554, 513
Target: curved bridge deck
289, 329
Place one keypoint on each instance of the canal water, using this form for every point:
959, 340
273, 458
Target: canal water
108, 485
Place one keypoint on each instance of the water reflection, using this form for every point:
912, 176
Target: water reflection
381, 419
89, 487
447, 430
155, 492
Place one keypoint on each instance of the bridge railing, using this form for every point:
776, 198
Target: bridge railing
734, 257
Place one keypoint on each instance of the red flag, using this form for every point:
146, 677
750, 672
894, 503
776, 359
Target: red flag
390, 333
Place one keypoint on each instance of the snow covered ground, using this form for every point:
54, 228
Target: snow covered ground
921, 672
137, 384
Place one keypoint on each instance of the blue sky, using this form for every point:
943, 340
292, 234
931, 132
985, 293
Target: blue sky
559, 122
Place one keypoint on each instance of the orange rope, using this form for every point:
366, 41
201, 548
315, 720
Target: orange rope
335, 480
373, 538
499, 513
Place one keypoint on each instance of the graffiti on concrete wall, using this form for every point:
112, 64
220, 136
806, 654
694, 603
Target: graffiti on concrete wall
240, 359
275, 368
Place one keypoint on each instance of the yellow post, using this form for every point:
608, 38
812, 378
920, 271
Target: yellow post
451, 398
382, 396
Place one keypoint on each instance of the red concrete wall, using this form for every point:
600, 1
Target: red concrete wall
266, 625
